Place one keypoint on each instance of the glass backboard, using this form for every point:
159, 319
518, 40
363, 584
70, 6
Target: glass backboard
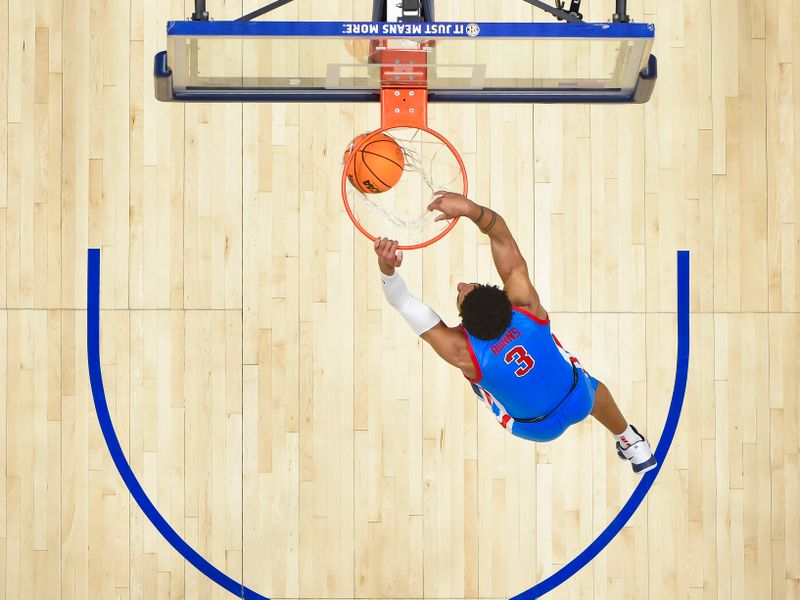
457, 62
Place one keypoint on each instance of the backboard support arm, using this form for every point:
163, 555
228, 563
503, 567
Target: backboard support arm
621, 15
571, 16
263, 10
200, 13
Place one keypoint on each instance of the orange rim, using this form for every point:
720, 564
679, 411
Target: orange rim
365, 140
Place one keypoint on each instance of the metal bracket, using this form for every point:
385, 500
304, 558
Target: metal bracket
424, 13
411, 11
404, 107
558, 11
575, 8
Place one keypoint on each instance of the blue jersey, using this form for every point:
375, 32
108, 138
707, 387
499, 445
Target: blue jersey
525, 370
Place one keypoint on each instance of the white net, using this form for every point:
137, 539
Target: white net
401, 213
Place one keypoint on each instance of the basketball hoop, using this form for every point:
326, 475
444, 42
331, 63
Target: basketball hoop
430, 159
401, 212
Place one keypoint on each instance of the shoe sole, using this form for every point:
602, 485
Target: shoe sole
648, 465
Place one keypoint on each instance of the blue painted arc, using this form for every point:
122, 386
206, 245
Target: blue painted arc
241, 591
114, 447
664, 443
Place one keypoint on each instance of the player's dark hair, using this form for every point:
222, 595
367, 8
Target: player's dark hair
486, 312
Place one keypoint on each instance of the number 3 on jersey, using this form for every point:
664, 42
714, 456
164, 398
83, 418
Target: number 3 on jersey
522, 358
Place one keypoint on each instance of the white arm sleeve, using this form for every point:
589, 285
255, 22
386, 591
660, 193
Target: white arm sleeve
417, 314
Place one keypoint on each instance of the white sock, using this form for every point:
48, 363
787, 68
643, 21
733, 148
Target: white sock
627, 437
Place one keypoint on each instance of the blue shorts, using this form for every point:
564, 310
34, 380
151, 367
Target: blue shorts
575, 408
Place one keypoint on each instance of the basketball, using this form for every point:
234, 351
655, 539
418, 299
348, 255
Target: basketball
377, 166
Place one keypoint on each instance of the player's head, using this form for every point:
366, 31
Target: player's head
485, 310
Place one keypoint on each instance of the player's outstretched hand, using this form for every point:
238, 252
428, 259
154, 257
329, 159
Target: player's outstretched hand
451, 205
389, 256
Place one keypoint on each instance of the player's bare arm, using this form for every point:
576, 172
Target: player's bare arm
448, 342
508, 260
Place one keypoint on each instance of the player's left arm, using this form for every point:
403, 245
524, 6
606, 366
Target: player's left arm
508, 259
449, 343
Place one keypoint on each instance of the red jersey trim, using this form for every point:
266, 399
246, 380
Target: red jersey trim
573, 359
532, 316
472, 356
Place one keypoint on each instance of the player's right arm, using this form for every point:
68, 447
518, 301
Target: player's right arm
510, 264
448, 342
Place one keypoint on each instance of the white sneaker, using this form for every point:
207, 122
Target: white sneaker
639, 453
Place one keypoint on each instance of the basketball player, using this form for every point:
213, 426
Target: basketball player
504, 347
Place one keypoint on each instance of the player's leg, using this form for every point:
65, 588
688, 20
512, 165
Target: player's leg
607, 412
631, 445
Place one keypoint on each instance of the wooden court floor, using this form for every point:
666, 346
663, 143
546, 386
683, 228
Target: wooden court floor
285, 420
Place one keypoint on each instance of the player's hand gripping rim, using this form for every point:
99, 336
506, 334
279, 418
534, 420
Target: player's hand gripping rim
451, 205
389, 257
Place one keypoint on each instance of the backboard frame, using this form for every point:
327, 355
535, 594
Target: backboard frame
640, 34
